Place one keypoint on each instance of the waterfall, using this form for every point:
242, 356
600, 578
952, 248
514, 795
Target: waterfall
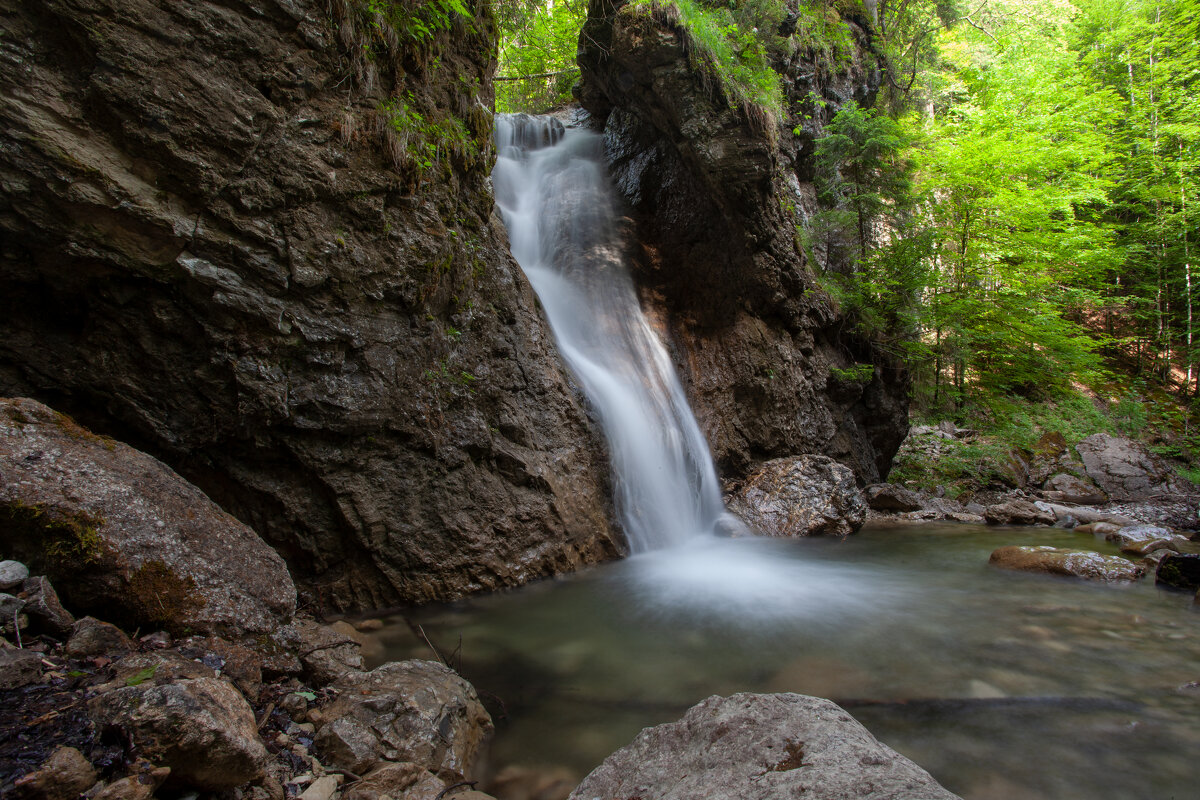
553, 193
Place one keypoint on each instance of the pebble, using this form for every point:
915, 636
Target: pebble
12, 574
321, 789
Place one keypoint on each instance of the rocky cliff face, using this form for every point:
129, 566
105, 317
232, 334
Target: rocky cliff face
717, 202
255, 239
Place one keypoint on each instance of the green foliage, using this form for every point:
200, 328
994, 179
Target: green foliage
141, 676
858, 373
730, 43
422, 143
537, 54
417, 23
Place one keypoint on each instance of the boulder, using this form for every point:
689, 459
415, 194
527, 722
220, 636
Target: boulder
12, 574
1017, 512
1125, 469
890, 497
19, 668
1075, 490
91, 637
1143, 539
407, 780
64, 776
801, 496
759, 747
1179, 571
201, 728
1062, 561
324, 653
43, 606
120, 533
415, 711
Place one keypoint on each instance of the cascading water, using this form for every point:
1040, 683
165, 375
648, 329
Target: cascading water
553, 194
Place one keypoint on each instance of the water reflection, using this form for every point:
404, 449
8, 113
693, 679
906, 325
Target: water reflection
1001, 684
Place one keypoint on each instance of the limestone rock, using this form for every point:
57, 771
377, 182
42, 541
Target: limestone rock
716, 201
19, 668
1124, 468
91, 637
415, 711
1075, 490
1179, 571
320, 789
119, 532
1017, 512
1143, 539
64, 776
890, 497
43, 605
236, 266
12, 574
201, 728
407, 780
1062, 561
759, 747
801, 496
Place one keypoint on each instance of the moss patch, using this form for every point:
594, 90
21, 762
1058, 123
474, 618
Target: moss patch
61, 542
158, 596
76, 431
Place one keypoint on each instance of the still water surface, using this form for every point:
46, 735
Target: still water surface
1001, 684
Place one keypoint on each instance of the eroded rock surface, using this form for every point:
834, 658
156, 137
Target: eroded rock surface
214, 246
760, 747
801, 496
408, 711
120, 534
1125, 469
766, 359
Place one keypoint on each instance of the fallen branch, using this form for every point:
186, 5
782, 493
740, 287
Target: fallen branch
454, 786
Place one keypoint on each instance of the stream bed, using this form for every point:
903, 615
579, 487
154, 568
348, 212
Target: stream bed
1001, 684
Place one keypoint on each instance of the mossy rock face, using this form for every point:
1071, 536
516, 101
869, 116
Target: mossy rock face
56, 542
1179, 571
124, 539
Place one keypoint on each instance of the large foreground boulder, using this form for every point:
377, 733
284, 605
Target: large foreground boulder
759, 747
124, 537
1125, 469
801, 496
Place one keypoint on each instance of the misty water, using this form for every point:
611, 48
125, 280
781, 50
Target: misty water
1001, 684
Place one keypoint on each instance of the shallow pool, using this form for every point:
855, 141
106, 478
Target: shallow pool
1001, 684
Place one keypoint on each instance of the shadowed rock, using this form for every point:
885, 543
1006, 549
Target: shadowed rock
123, 536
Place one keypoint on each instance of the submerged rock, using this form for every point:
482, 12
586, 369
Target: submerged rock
122, 535
759, 747
801, 496
1062, 561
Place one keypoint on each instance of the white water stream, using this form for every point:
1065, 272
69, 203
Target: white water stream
554, 196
